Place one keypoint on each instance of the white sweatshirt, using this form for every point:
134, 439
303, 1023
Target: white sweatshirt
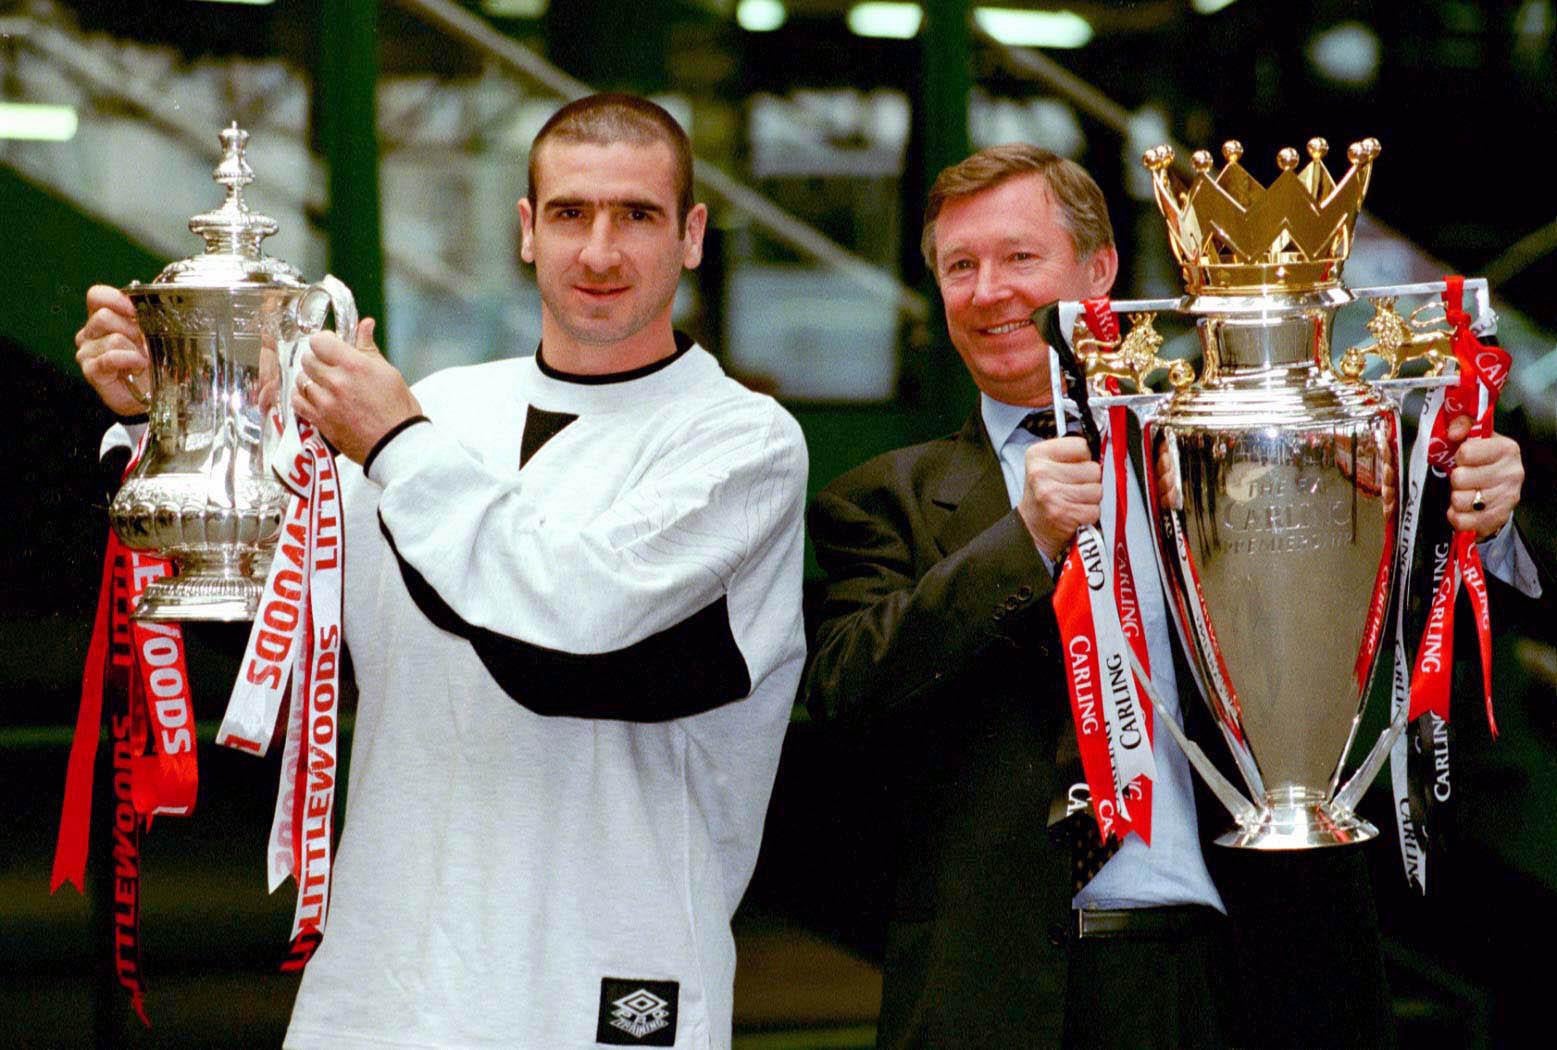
574, 680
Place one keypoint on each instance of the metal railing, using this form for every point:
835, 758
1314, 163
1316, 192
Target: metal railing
512, 56
41, 29
191, 124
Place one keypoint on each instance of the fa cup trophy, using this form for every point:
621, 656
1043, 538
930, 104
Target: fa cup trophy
223, 329
1272, 480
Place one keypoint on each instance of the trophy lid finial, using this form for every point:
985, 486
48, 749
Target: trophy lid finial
232, 233
234, 170
233, 229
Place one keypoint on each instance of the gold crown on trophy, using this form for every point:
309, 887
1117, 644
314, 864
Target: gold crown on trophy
1233, 236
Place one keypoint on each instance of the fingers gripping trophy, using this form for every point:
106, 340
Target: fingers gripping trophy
1273, 488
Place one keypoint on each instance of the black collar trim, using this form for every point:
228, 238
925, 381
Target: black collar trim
684, 343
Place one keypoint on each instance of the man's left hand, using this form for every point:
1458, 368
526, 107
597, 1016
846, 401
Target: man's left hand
1490, 469
351, 394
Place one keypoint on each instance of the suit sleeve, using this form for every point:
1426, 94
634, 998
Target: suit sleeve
623, 613
887, 641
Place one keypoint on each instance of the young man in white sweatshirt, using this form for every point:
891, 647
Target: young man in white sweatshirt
573, 605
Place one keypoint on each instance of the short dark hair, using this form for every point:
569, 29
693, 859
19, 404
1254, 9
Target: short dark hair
612, 117
1080, 201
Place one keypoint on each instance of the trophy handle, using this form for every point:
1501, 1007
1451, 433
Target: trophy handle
1242, 809
1347, 798
328, 294
134, 387
329, 291
1132, 357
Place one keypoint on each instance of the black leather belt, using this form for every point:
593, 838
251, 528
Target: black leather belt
1164, 922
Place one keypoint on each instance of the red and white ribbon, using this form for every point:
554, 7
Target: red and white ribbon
140, 671
277, 637
1118, 617
1099, 624
311, 821
1084, 575
165, 781
296, 638
1367, 467
1420, 761
1411, 833
1483, 371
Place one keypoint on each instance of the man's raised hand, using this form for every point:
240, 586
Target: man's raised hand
352, 394
1062, 492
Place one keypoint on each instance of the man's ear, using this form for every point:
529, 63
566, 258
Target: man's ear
526, 231
692, 240
1101, 270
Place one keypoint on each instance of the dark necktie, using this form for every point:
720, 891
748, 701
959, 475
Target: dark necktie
1078, 831
1039, 424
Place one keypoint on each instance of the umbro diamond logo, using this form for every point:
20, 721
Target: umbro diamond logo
640, 1013
637, 1012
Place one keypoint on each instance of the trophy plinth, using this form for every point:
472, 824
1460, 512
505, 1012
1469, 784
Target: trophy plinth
1298, 819
222, 329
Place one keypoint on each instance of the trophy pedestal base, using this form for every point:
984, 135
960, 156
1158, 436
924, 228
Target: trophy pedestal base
1309, 825
205, 591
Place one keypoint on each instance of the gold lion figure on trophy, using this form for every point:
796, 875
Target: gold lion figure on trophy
1399, 339
1133, 358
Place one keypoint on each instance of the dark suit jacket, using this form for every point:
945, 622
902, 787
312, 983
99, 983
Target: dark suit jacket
937, 643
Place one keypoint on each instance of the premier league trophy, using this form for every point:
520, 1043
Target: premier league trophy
1272, 480
223, 329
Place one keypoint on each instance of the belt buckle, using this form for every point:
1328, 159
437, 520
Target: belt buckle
1095, 923
1088, 924
1148, 922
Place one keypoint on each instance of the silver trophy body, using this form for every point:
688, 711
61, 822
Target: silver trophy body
1278, 553
1272, 480
223, 330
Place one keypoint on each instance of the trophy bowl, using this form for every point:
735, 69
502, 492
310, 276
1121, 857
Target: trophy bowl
1277, 556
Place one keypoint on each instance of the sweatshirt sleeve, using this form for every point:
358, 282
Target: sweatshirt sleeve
621, 614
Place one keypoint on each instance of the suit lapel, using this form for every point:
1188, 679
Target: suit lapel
970, 487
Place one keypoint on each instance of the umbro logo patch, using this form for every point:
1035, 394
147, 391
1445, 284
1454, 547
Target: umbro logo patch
637, 1013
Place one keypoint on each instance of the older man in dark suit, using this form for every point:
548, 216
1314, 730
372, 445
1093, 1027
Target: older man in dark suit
938, 634
937, 639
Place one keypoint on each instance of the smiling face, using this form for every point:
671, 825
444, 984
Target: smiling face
1000, 254
608, 251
